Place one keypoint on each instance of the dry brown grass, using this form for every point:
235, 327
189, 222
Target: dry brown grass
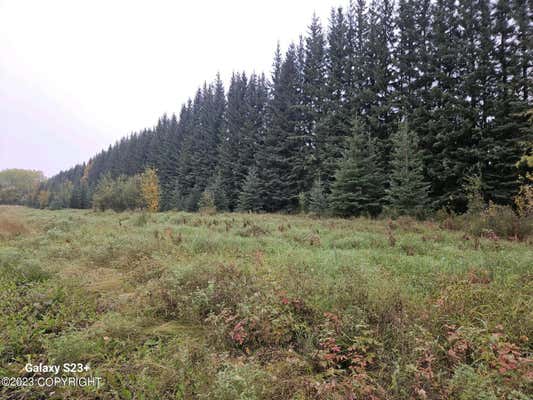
105, 281
11, 224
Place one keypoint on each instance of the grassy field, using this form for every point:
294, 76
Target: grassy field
236, 306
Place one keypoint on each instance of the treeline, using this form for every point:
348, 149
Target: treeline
19, 186
393, 105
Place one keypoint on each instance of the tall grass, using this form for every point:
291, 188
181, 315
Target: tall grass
177, 305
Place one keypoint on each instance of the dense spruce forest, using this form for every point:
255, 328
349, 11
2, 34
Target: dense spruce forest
393, 104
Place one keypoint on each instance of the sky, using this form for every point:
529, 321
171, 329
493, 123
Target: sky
76, 75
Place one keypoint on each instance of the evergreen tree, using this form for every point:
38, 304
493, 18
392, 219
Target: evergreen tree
279, 175
358, 62
168, 165
192, 199
217, 190
406, 56
334, 126
201, 137
359, 182
250, 198
501, 143
317, 200
75, 199
523, 15
256, 99
313, 96
379, 69
408, 192
184, 179
443, 136
245, 131
229, 168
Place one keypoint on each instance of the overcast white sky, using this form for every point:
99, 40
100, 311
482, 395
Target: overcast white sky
75, 75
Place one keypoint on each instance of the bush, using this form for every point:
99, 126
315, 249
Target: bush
123, 193
498, 221
495, 221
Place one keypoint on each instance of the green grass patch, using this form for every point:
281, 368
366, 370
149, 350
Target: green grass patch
177, 305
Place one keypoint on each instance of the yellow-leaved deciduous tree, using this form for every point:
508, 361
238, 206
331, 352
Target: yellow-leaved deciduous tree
150, 189
524, 198
86, 171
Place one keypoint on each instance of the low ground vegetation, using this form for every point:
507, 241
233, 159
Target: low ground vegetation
179, 305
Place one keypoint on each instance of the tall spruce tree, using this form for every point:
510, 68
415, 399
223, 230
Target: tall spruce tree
501, 144
443, 137
251, 197
357, 36
359, 186
379, 94
418, 107
523, 15
217, 191
278, 175
168, 163
408, 192
233, 137
313, 97
256, 100
185, 173
302, 156
406, 56
334, 126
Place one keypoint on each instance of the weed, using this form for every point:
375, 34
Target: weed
269, 306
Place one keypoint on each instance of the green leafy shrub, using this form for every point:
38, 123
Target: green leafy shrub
122, 193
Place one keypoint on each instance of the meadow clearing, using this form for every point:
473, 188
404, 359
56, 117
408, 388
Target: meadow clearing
244, 306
